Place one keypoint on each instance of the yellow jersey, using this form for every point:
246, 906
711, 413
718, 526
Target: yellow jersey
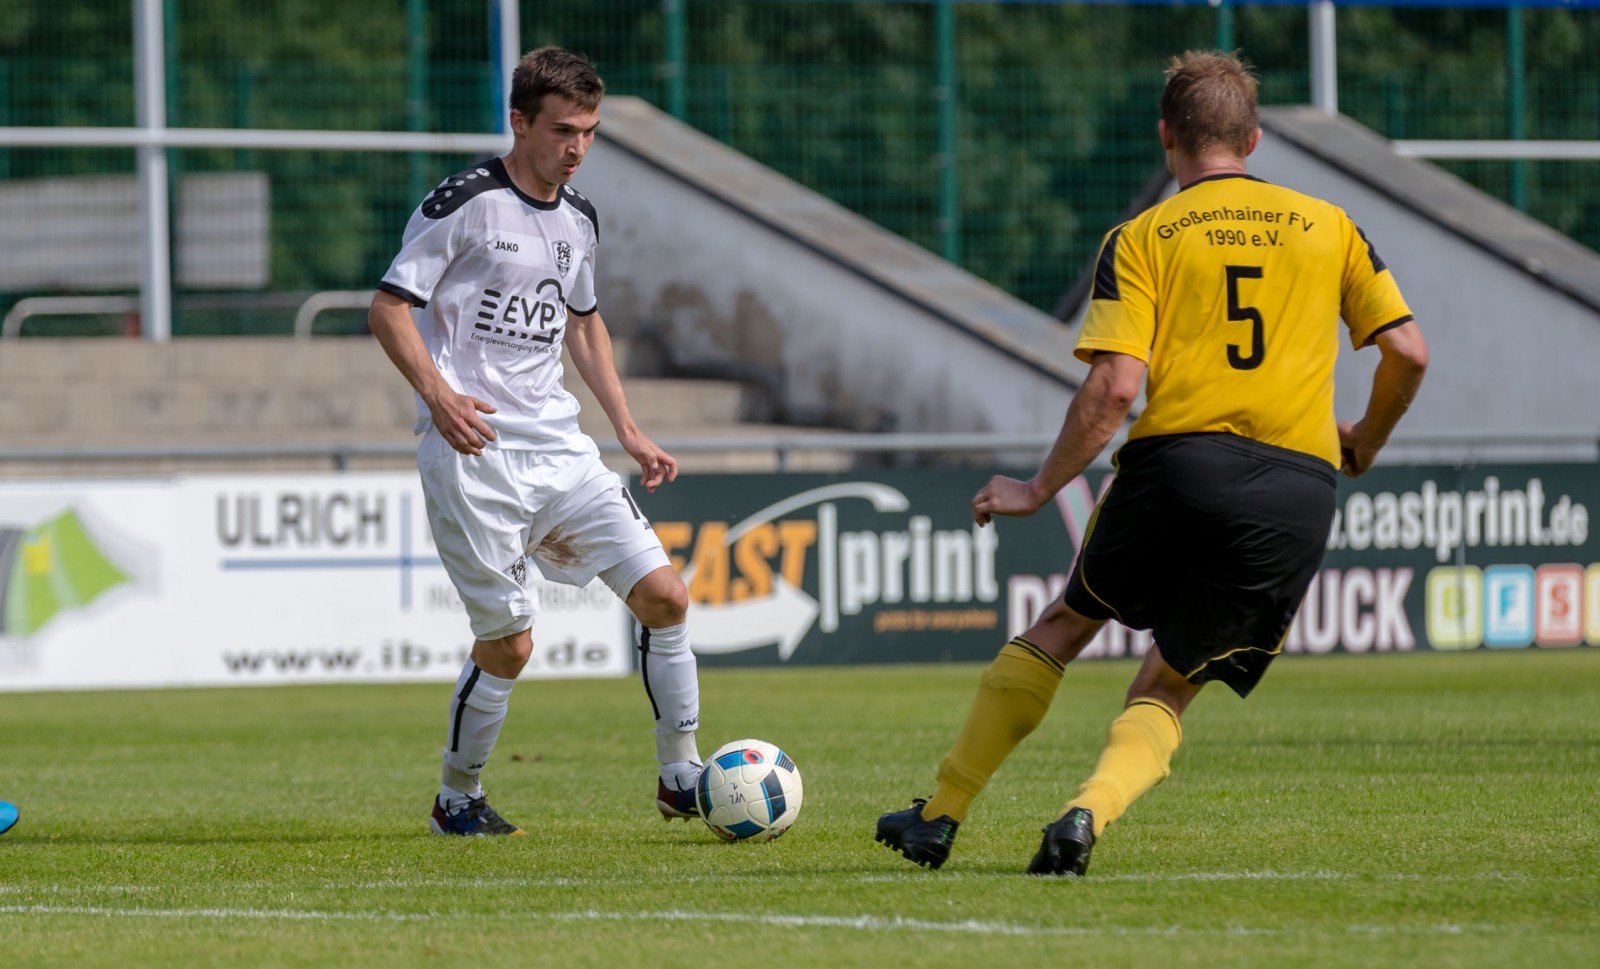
1231, 291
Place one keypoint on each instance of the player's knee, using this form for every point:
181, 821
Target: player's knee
660, 599
1174, 694
505, 652
1062, 631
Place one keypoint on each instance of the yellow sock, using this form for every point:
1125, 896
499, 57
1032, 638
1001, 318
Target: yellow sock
1137, 757
1013, 696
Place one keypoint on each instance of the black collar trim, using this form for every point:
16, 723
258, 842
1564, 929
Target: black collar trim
497, 168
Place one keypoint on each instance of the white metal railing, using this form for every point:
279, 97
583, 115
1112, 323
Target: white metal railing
341, 454
11, 326
1499, 150
304, 317
493, 144
1439, 447
254, 138
331, 299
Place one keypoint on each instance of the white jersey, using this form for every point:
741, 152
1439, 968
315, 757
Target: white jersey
497, 273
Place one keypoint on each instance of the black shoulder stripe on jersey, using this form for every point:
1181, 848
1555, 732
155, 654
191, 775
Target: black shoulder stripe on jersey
404, 294
456, 190
1105, 271
582, 204
1372, 252
1385, 328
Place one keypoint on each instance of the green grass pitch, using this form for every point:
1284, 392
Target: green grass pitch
1410, 810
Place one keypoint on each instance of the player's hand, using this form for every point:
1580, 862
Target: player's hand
656, 467
1006, 496
455, 417
1356, 453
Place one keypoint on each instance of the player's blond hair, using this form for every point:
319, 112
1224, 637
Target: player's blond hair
552, 70
1209, 103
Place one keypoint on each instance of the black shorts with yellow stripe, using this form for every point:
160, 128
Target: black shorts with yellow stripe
1210, 541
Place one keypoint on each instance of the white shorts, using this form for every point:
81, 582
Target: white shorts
490, 513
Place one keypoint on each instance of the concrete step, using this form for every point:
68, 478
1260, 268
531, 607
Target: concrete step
253, 359
356, 358
275, 392
741, 451
659, 404
38, 413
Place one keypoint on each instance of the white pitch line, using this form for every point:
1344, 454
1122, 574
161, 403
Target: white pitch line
877, 923
1231, 876
861, 922
298, 915
869, 923
77, 889
901, 877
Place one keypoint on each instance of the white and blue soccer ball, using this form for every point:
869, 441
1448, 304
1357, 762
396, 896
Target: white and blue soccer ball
749, 791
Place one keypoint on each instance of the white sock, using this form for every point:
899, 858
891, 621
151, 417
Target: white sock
477, 711
681, 775
667, 665
454, 800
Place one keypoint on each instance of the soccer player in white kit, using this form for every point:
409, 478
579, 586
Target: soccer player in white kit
500, 260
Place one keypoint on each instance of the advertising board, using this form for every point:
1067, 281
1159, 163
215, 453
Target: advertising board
216, 580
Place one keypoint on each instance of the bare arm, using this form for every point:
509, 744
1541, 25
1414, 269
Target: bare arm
454, 415
589, 342
1097, 410
1394, 386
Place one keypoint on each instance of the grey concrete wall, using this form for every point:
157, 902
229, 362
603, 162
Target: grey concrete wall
1510, 307
733, 264
1511, 350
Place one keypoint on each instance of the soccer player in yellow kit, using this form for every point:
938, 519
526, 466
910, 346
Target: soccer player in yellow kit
1224, 302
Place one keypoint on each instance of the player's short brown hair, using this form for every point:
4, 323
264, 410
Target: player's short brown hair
1210, 102
552, 70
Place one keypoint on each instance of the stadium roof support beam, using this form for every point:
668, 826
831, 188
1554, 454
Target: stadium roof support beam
150, 114
1324, 57
505, 32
